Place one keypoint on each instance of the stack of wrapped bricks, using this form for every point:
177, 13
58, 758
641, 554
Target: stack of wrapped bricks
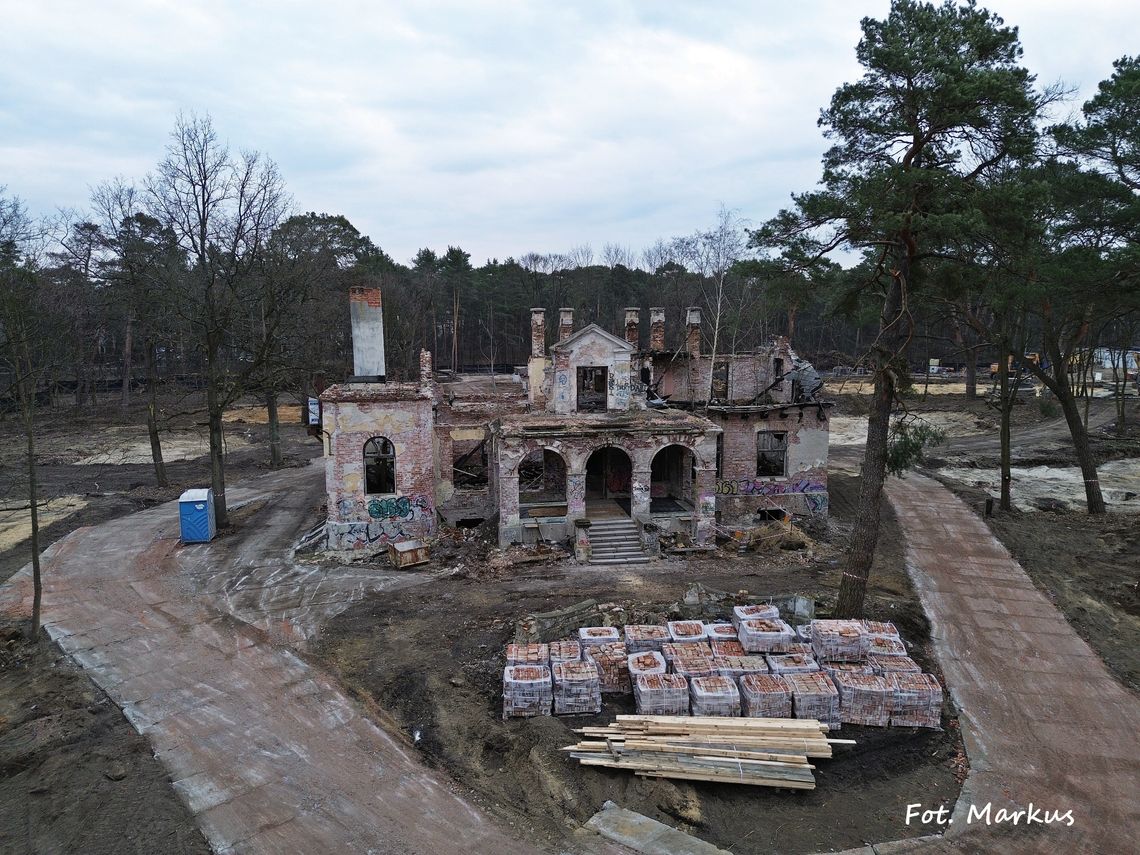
854, 672
577, 688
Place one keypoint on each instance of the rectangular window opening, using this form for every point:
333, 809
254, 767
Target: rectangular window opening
771, 453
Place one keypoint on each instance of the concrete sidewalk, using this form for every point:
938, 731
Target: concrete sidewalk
1043, 720
268, 753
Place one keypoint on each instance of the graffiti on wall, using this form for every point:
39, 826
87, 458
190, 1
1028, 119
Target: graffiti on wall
392, 519
576, 491
760, 487
619, 391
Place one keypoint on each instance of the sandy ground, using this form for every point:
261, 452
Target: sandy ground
852, 430
286, 414
1119, 484
122, 451
431, 658
16, 525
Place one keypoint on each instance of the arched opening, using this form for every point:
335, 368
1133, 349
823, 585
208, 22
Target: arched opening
379, 466
671, 477
543, 479
609, 479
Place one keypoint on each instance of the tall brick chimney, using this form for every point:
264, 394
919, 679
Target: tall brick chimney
367, 317
657, 328
537, 332
632, 326
693, 331
565, 323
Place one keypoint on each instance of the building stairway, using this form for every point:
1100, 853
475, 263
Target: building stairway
614, 540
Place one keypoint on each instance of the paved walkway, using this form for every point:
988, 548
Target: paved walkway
267, 752
1043, 720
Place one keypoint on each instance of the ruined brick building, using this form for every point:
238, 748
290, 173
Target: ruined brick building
640, 441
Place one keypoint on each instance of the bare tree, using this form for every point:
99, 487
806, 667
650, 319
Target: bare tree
221, 209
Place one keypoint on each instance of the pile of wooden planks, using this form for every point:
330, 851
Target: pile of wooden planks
768, 752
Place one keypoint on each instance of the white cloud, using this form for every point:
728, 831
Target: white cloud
500, 127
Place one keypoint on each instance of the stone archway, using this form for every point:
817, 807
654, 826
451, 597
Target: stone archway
672, 479
609, 477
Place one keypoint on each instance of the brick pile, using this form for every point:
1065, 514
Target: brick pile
642, 637
791, 663
765, 696
577, 689
565, 651
612, 663
528, 654
591, 636
884, 646
648, 662
761, 611
686, 648
527, 691
917, 700
838, 640
727, 648
714, 696
883, 665
814, 696
686, 631
765, 635
694, 665
735, 667
661, 694
864, 699
833, 668
879, 629
720, 632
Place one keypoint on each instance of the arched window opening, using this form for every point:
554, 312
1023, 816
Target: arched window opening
379, 466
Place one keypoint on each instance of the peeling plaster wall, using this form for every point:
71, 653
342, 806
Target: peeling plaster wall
741, 492
595, 351
356, 520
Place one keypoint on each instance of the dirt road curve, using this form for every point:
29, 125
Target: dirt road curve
268, 753
1043, 721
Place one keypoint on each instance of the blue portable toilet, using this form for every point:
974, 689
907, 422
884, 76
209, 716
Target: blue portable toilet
196, 513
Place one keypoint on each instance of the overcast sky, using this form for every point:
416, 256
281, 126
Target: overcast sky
501, 127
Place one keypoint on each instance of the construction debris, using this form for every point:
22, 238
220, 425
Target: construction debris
765, 696
527, 691
577, 689
661, 694
756, 751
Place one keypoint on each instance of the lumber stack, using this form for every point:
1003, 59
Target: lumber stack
757, 751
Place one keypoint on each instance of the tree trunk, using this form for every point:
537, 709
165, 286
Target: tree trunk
1080, 436
152, 418
865, 535
29, 401
274, 430
125, 400
1006, 402
971, 373
217, 448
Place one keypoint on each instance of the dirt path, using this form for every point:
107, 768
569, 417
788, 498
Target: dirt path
1044, 722
267, 752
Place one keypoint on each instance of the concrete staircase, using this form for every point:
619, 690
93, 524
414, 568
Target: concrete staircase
614, 540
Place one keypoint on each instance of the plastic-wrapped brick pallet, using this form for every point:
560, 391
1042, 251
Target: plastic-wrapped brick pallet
735, 667
592, 636
839, 640
686, 648
647, 662
814, 696
864, 699
612, 663
528, 654
883, 646
714, 696
727, 648
879, 629
720, 632
883, 665
759, 611
791, 663
696, 665
833, 668
803, 633
765, 696
765, 635
686, 631
642, 637
577, 688
801, 648
527, 691
661, 694
917, 700
565, 651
